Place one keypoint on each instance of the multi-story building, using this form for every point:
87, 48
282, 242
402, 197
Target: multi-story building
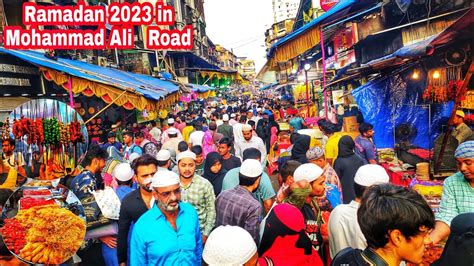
246, 67
226, 59
278, 31
284, 9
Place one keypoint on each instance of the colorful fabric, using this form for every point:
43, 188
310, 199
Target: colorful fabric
200, 194
465, 150
457, 198
284, 240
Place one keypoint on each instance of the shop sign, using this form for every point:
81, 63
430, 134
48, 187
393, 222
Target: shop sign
343, 53
17, 77
327, 4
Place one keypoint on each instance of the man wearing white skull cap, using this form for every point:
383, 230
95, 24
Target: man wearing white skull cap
249, 141
220, 251
198, 191
171, 130
237, 206
168, 233
344, 230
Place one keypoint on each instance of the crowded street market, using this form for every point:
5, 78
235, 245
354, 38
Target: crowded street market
340, 135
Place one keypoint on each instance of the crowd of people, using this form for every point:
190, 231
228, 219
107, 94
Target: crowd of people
194, 190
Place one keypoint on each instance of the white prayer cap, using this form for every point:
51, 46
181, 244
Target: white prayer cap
133, 156
123, 172
170, 121
164, 178
232, 115
259, 109
371, 174
185, 154
172, 131
229, 245
225, 117
163, 155
246, 127
308, 172
251, 168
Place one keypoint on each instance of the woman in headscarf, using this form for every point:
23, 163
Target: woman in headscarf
214, 172
208, 144
459, 247
300, 147
284, 241
346, 166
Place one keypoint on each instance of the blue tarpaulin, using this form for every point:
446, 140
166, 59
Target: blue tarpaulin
148, 86
201, 88
389, 102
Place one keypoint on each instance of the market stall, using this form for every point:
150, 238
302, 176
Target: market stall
52, 129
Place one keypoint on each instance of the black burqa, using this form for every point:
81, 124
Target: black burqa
215, 179
459, 249
346, 166
300, 147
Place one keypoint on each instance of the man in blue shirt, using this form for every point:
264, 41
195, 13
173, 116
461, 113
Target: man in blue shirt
264, 192
297, 123
130, 147
364, 144
168, 233
111, 142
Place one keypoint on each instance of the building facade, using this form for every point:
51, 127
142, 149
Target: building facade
284, 9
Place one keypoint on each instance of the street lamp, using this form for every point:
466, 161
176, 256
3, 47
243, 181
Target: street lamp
307, 67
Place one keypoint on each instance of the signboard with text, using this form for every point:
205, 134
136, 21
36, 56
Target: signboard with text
327, 4
18, 77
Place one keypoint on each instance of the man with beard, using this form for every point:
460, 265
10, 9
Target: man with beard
250, 141
198, 191
168, 233
136, 203
237, 206
311, 212
458, 192
82, 186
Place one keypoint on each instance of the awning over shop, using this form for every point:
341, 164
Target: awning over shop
461, 29
307, 36
195, 60
142, 92
269, 86
201, 88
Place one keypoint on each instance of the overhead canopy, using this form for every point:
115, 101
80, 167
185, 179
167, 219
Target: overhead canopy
308, 36
269, 86
201, 88
142, 91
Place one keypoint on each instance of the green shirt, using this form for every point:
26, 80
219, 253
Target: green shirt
264, 191
200, 194
458, 198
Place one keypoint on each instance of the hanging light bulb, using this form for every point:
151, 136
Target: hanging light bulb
436, 74
415, 75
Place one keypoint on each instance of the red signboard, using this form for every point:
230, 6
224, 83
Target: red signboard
327, 4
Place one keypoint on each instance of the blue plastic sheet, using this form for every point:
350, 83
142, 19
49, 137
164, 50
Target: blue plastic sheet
389, 102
